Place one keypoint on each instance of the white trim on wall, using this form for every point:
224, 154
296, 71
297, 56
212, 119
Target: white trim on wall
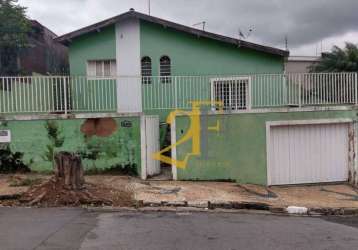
129, 88
174, 149
143, 148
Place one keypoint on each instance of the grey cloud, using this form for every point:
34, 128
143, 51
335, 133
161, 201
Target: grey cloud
304, 21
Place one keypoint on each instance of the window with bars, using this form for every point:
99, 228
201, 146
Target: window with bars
233, 93
165, 69
146, 67
102, 68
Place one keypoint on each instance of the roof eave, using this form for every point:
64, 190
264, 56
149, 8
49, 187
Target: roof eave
67, 38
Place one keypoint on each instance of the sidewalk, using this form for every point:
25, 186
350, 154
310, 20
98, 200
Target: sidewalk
326, 199
319, 198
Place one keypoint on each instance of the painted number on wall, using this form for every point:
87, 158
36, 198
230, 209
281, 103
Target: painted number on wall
126, 124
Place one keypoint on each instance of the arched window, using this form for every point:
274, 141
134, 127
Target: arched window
165, 69
146, 64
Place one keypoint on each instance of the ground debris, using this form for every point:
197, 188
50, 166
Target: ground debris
54, 193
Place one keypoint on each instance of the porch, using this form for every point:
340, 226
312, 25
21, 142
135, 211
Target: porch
240, 93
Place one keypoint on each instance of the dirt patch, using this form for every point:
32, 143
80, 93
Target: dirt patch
54, 194
11, 185
51, 193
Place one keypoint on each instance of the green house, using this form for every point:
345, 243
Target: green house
166, 55
236, 114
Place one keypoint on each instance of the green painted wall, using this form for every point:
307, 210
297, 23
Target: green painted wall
194, 56
191, 55
93, 46
120, 148
238, 151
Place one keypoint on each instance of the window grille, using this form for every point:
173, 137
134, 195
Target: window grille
165, 69
146, 65
233, 93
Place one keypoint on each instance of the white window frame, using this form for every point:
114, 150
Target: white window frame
112, 74
224, 79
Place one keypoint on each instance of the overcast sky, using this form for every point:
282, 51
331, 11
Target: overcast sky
306, 23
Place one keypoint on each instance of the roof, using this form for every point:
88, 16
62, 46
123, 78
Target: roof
67, 38
36, 23
304, 58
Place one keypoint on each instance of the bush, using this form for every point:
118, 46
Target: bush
12, 162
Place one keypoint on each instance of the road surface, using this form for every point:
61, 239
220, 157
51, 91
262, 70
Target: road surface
25, 228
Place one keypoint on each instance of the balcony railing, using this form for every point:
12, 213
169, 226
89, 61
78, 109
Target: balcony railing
57, 94
77, 94
256, 91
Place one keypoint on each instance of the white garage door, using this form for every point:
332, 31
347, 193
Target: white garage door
301, 154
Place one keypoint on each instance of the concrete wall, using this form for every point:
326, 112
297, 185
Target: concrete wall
238, 151
103, 144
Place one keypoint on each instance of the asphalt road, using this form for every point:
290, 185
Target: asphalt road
68, 229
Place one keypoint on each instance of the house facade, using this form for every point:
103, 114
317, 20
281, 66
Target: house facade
301, 64
228, 107
134, 44
44, 55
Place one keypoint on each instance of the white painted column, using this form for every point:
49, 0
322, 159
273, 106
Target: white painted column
129, 91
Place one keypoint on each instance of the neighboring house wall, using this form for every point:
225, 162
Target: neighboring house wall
238, 151
100, 147
44, 55
300, 64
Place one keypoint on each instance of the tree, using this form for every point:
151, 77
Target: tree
339, 60
336, 87
14, 27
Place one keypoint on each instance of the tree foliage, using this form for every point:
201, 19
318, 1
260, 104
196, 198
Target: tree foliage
339, 60
14, 27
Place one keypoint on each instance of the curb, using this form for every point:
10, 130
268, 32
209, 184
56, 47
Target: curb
332, 211
10, 197
229, 206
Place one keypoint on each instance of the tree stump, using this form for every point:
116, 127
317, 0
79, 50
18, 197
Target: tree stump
69, 170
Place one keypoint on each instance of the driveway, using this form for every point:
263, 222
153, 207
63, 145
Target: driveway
24, 228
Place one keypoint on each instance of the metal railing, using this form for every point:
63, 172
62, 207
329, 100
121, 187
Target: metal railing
57, 94
253, 91
64, 94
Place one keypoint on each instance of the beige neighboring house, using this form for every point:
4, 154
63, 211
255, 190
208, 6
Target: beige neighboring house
300, 64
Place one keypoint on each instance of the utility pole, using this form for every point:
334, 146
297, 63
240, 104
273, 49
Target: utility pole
149, 7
